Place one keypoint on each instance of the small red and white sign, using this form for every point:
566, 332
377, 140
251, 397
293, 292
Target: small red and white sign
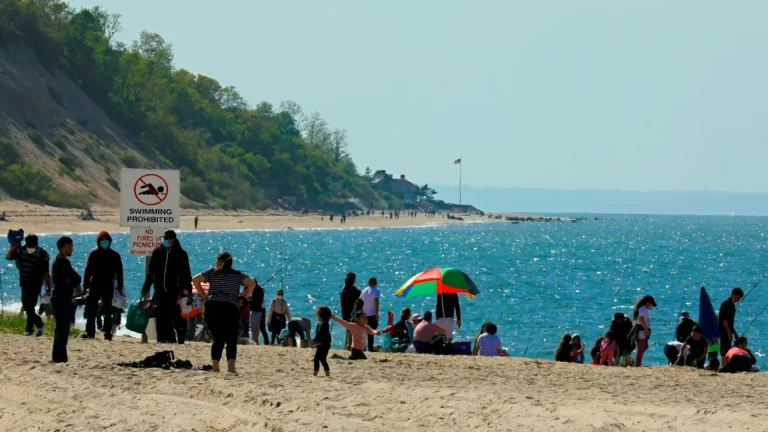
145, 240
150, 198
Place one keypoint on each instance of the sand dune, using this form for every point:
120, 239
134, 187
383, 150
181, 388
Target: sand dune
276, 392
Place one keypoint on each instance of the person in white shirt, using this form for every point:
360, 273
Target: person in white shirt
370, 297
642, 317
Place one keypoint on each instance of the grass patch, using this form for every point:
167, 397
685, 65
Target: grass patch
37, 138
59, 143
129, 159
15, 323
112, 182
68, 161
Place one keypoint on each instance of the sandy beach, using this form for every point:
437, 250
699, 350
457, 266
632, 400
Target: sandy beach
44, 219
276, 392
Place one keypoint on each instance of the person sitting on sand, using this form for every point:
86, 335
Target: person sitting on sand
578, 349
564, 351
222, 306
697, 349
739, 358
475, 347
488, 344
621, 326
359, 331
595, 351
608, 349
424, 336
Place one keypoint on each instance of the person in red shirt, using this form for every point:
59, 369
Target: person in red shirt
739, 358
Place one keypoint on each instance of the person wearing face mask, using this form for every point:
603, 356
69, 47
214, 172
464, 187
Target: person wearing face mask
278, 316
170, 273
103, 269
642, 328
33, 263
65, 280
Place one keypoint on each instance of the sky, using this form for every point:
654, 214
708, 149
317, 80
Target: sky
647, 96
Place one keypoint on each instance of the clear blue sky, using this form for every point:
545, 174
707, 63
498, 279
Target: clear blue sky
652, 95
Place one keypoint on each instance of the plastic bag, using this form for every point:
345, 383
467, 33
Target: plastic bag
119, 301
190, 306
137, 319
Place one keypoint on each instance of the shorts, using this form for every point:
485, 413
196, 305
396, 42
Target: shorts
46, 309
255, 319
447, 325
725, 346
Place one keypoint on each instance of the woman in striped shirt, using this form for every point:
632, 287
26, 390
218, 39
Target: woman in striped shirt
222, 306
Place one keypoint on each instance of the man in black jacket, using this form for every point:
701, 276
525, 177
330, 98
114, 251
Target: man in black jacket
103, 270
33, 263
65, 280
685, 327
349, 295
170, 273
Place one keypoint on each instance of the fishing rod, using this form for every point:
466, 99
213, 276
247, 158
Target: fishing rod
755, 319
286, 264
530, 336
750, 290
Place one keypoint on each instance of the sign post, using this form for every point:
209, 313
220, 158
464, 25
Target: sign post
150, 198
145, 240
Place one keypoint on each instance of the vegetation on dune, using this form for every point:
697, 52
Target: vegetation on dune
230, 153
15, 323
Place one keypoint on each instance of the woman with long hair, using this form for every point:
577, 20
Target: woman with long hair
564, 351
642, 328
222, 306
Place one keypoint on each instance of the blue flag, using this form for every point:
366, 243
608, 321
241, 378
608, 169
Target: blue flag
707, 317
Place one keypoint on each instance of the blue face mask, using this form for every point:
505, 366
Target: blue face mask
165, 243
104, 244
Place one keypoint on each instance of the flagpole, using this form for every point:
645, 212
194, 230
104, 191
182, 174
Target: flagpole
461, 166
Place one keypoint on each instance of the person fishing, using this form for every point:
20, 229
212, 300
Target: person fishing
349, 295
727, 318
65, 280
222, 306
684, 327
103, 269
171, 275
642, 328
278, 315
33, 263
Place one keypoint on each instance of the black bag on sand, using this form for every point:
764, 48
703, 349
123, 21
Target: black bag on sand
164, 360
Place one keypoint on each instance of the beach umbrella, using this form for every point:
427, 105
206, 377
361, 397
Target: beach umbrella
446, 280
707, 318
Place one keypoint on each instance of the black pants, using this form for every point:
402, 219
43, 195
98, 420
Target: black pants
690, 361
62, 312
104, 294
29, 298
171, 327
373, 323
737, 364
223, 320
263, 328
356, 354
321, 354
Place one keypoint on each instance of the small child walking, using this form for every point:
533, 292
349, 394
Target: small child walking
322, 339
359, 331
608, 349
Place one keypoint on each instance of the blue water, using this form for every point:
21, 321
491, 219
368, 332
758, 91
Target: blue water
537, 281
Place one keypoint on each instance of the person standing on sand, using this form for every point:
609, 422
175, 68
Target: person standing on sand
195, 222
370, 297
349, 294
642, 328
446, 309
103, 268
65, 280
727, 318
222, 306
322, 340
33, 263
257, 315
278, 316
170, 273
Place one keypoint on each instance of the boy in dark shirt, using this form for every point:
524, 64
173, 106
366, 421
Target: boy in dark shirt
33, 263
65, 280
727, 316
697, 349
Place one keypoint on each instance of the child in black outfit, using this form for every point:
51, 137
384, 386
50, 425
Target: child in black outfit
322, 339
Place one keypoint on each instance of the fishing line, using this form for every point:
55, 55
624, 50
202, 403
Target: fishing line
755, 319
750, 290
530, 336
284, 266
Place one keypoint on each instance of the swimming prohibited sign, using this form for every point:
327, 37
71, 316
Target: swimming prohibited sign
145, 240
150, 198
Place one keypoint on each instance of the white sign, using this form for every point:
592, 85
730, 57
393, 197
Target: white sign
145, 240
150, 198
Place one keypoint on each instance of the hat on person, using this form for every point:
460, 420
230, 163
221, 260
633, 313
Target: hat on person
684, 314
170, 235
415, 317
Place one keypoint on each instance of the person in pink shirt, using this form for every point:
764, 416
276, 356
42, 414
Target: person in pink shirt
424, 336
608, 349
359, 331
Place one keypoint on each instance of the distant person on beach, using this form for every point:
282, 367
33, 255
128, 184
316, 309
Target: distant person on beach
578, 349
696, 354
684, 327
425, 334
564, 352
370, 297
359, 330
33, 263
726, 325
608, 349
170, 273
448, 312
322, 339
739, 358
489, 345
65, 280
103, 268
256, 319
642, 329
621, 326
195, 222
222, 306
349, 295
278, 315
595, 351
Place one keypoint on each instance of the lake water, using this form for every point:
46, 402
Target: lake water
537, 281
